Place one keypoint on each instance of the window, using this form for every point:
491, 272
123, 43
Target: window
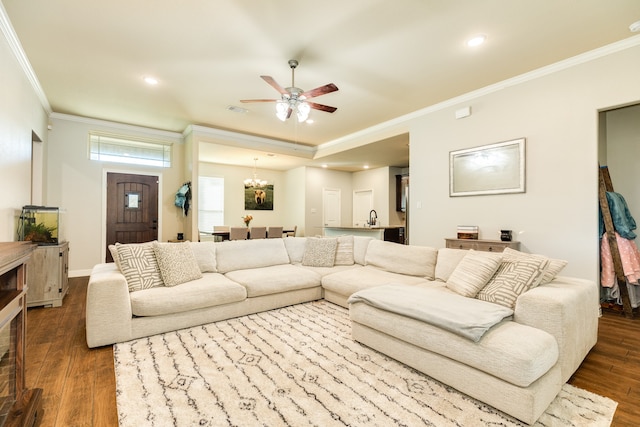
131, 150
210, 202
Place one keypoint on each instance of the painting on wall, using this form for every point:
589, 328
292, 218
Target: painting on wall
490, 169
258, 198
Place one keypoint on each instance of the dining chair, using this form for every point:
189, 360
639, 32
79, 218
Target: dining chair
237, 233
258, 233
293, 232
274, 233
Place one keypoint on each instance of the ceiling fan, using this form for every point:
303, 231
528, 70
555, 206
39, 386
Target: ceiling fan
294, 98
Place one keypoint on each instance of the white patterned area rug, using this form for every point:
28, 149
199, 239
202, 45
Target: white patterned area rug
298, 366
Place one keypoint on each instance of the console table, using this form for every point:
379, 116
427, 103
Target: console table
18, 405
481, 245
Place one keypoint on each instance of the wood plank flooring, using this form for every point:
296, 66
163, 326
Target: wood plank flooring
79, 384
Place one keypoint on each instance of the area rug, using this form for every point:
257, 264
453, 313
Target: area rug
298, 366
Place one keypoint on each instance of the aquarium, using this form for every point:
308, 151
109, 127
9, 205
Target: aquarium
42, 225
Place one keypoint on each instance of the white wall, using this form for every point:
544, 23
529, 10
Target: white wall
77, 184
558, 115
294, 191
20, 113
623, 154
316, 180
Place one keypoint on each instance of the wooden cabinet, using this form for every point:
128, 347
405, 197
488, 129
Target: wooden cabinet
47, 275
481, 245
19, 406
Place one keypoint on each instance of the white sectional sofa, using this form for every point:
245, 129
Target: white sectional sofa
517, 362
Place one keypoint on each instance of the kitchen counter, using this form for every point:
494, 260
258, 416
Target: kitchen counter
389, 233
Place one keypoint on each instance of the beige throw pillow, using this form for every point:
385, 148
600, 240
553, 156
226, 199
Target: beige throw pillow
473, 272
205, 254
176, 262
344, 251
517, 273
137, 262
320, 252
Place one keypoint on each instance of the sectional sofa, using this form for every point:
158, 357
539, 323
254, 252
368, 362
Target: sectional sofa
502, 328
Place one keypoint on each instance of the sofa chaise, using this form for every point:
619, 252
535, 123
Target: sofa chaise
521, 339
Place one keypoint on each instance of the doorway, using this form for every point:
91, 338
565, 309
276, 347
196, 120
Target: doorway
362, 205
131, 209
331, 208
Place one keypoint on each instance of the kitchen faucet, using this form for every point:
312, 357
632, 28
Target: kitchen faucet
373, 218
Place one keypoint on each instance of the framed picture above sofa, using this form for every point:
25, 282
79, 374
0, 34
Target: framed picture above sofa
490, 169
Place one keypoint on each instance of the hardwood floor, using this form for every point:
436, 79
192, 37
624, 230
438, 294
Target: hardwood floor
79, 384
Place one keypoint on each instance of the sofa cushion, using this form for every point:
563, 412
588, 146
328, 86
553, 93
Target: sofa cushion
448, 259
137, 262
211, 290
295, 248
404, 259
205, 253
274, 279
473, 272
517, 273
344, 251
244, 254
320, 252
513, 352
554, 267
176, 263
360, 245
346, 282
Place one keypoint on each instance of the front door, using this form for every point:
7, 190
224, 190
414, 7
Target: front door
132, 209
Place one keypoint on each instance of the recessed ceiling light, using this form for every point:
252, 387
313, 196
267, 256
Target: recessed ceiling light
325, 165
635, 27
477, 40
366, 166
309, 122
150, 80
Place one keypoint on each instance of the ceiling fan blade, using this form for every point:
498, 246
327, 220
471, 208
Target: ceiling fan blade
259, 100
321, 107
274, 84
322, 90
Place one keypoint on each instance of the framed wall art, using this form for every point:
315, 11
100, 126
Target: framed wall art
489, 169
258, 198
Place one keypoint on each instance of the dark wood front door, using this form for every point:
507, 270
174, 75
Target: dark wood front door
132, 209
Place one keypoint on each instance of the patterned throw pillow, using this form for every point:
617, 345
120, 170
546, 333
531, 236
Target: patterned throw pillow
137, 262
344, 251
473, 272
517, 273
176, 262
319, 252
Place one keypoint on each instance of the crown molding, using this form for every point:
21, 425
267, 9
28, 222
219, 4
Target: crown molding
402, 123
16, 47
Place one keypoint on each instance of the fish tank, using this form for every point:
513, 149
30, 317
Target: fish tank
42, 225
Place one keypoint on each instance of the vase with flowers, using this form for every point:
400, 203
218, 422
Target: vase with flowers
247, 220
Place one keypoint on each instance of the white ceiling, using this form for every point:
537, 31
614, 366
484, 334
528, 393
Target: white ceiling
387, 58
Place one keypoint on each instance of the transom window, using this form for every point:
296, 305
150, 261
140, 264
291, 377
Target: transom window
131, 150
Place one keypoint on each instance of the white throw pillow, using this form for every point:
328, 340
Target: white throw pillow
320, 252
137, 262
473, 272
176, 262
447, 261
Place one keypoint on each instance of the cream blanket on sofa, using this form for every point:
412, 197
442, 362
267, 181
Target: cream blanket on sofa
467, 317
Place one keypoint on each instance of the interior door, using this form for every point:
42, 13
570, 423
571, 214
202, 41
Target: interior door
132, 209
331, 207
362, 205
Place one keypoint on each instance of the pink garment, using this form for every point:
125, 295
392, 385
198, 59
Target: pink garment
629, 255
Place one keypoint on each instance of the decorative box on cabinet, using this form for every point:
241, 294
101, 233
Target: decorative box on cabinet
47, 275
481, 245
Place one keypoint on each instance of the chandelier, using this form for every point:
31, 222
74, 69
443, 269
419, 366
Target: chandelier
254, 182
294, 104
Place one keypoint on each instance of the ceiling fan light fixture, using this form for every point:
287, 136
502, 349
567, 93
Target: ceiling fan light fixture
282, 107
302, 110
